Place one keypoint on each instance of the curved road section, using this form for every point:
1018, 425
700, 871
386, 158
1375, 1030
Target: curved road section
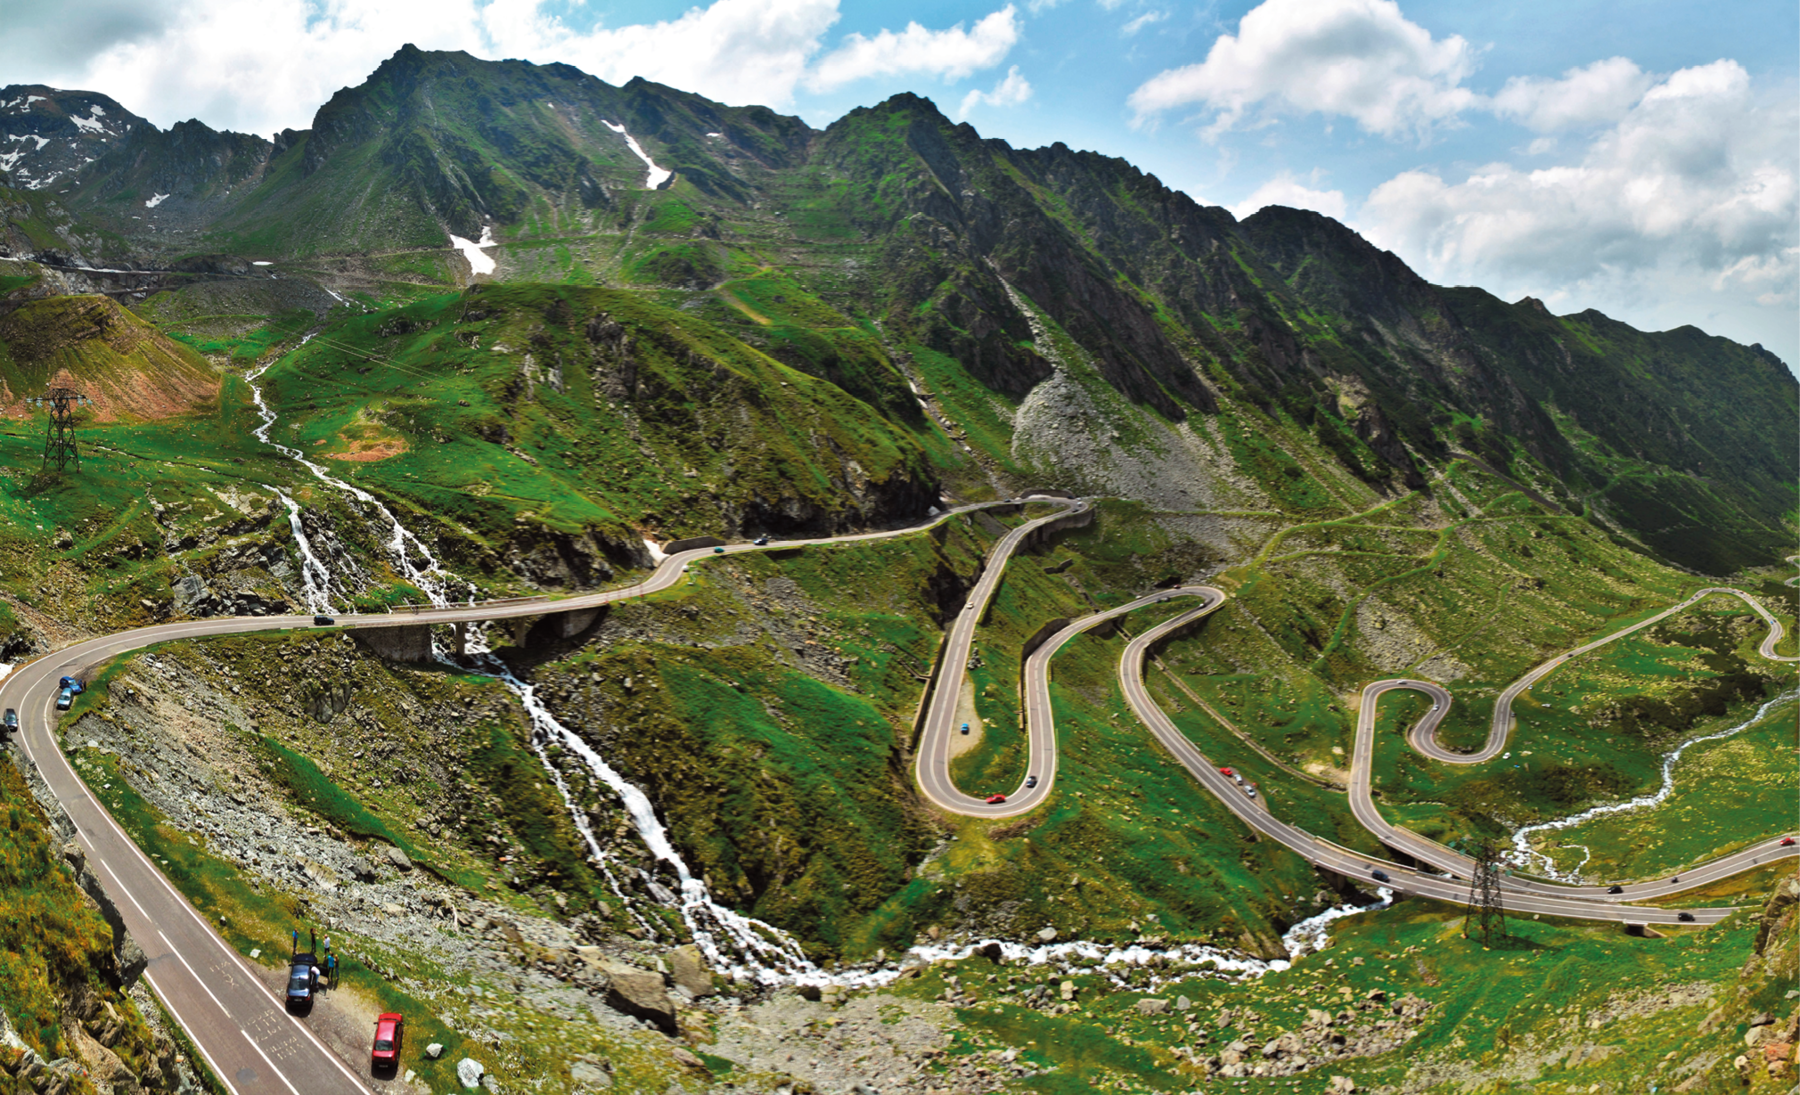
1324, 853
242, 1029
254, 1046
1423, 737
933, 762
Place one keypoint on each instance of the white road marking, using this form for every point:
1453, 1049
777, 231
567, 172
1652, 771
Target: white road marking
210, 1063
268, 1062
198, 980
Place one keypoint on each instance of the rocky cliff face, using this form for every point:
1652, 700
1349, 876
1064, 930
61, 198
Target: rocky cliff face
48, 135
164, 187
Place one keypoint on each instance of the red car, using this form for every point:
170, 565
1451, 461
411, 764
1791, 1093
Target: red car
390, 1029
1226, 772
994, 800
1787, 842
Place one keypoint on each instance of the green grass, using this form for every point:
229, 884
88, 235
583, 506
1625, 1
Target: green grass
253, 346
303, 781
49, 935
486, 449
1727, 794
1489, 1010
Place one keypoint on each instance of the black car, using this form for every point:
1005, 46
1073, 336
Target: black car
1031, 781
1685, 918
761, 541
1379, 875
323, 621
303, 979
1615, 889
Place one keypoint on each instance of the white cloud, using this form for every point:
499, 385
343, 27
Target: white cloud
260, 67
1696, 163
1687, 203
1143, 21
736, 51
1357, 58
1010, 91
951, 54
1598, 94
1285, 189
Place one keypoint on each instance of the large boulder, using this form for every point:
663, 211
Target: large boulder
688, 968
639, 993
468, 1073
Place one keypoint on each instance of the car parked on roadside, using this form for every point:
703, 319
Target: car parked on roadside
965, 728
64, 699
995, 800
1226, 772
12, 721
303, 979
390, 1029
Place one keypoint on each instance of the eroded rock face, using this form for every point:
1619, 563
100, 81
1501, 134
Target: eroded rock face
1786, 895
129, 960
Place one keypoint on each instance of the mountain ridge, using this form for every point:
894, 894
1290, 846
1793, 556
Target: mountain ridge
895, 240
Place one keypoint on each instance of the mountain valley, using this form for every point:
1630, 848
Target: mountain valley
490, 337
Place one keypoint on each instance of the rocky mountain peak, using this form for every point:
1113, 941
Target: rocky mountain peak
47, 134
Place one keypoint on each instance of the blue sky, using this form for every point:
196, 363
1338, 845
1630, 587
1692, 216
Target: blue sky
1635, 157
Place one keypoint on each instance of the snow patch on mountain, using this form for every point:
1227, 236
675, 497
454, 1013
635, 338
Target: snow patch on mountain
479, 261
657, 175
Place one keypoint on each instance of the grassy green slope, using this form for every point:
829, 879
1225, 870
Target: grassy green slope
515, 409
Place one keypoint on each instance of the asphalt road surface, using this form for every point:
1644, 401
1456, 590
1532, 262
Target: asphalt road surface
1522, 894
940, 724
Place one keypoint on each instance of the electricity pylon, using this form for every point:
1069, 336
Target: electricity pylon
1485, 917
59, 436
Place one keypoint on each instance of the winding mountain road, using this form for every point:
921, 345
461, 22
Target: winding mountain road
254, 1046
1523, 893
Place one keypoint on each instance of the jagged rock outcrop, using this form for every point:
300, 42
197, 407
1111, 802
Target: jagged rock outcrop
130, 960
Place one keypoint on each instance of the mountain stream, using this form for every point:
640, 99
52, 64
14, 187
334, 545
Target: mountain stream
1523, 855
